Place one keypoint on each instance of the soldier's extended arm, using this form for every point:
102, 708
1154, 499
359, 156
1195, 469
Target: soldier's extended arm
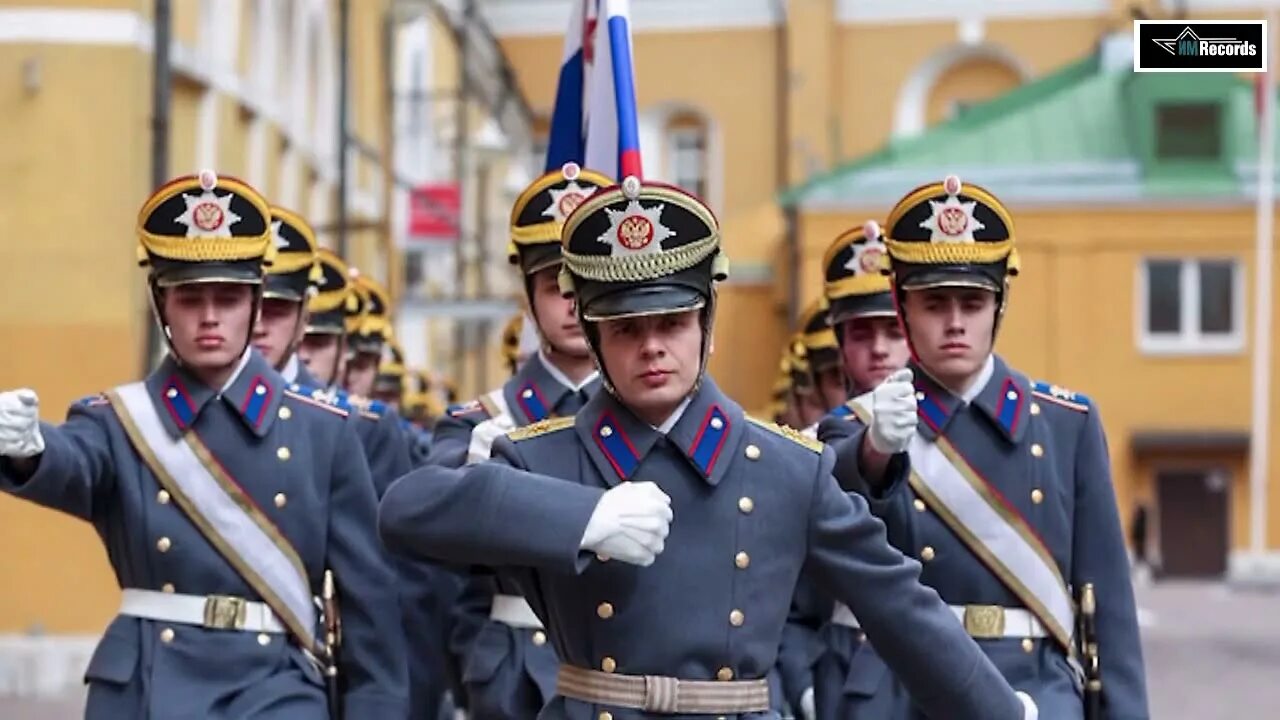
498, 515
915, 633
489, 514
1098, 557
373, 650
845, 436
74, 470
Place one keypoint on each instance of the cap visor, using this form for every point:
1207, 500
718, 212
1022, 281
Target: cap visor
642, 301
207, 273
929, 279
876, 305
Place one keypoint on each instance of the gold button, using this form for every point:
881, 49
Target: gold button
283, 453
736, 618
608, 664
171, 393
752, 452
725, 674
862, 637
162, 497
1012, 394
920, 395
167, 587
742, 560
281, 500
606, 431
602, 557
604, 610
1036, 450
606, 715
166, 635
746, 504
1028, 644
926, 554
716, 423
1037, 496
285, 413
264, 639
539, 638
261, 390
163, 544
1035, 408
919, 505
527, 394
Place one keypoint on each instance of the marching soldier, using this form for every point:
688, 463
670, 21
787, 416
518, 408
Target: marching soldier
810, 407
823, 652
304, 294
1001, 486
508, 667
223, 497
366, 341
571, 511
822, 351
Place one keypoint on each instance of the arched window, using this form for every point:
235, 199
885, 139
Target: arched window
686, 141
951, 80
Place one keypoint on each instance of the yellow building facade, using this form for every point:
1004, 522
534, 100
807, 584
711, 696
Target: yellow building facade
791, 93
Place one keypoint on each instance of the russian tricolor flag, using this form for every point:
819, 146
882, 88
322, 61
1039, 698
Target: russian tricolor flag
594, 122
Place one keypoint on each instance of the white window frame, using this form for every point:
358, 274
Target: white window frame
1189, 340
673, 137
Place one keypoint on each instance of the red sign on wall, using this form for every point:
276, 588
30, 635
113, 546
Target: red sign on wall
434, 211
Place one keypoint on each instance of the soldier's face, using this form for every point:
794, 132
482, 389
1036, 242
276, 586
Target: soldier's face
279, 328
872, 349
322, 354
555, 315
653, 361
951, 330
362, 370
209, 322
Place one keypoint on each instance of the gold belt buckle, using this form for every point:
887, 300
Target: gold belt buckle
984, 621
225, 612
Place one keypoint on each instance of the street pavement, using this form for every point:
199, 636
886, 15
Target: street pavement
1211, 652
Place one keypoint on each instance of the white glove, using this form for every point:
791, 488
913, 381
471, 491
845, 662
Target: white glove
20, 424
460, 714
1029, 706
630, 523
807, 709
893, 405
483, 436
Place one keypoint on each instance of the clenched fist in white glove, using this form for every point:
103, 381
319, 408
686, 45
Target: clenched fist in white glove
630, 523
808, 709
893, 404
484, 435
1029, 708
20, 424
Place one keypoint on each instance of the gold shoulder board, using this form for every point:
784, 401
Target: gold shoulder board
789, 433
542, 427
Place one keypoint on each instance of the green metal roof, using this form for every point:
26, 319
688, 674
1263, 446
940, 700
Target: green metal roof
1084, 133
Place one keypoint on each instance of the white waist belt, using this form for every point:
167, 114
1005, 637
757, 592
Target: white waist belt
220, 612
514, 610
993, 621
844, 616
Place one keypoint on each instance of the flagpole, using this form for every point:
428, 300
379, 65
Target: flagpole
1259, 438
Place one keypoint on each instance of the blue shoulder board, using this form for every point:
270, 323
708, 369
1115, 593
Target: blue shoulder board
377, 407
1061, 396
842, 411
334, 398
92, 400
467, 408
